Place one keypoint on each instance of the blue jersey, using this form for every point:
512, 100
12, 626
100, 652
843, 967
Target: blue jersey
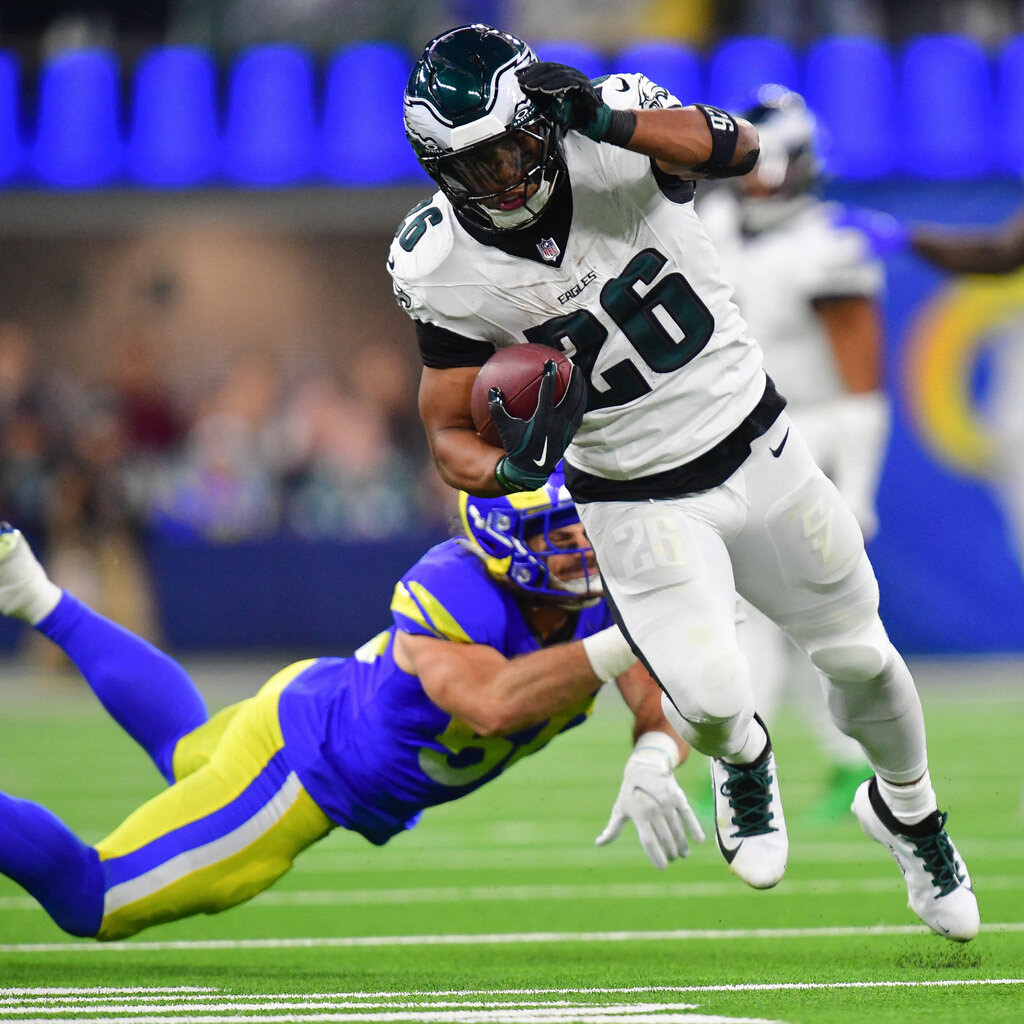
367, 742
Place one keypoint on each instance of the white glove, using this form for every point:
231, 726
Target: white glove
654, 800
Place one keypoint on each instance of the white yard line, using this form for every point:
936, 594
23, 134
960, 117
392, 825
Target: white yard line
512, 938
574, 893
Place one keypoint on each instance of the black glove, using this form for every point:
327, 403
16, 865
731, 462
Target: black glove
533, 447
566, 97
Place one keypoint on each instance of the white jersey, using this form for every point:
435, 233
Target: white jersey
794, 255
637, 302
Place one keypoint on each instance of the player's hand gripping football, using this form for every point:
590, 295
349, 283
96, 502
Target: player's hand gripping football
566, 97
534, 447
657, 805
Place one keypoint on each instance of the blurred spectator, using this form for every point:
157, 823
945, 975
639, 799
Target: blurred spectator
349, 481
27, 430
222, 486
382, 373
137, 380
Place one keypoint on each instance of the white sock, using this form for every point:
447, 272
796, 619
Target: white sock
26, 592
909, 804
752, 747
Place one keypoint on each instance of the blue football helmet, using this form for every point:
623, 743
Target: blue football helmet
500, 531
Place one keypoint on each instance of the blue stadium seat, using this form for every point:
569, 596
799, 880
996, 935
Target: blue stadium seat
741, 64
946, 105
362, 140
174, 138
271, 132
12, 148
673, 66
78, 140
1009, 111
850, 84
577, 55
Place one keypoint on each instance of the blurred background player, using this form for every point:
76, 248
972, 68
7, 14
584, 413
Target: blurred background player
809, 287
500, 641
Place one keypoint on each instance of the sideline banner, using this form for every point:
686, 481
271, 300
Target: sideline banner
950, 549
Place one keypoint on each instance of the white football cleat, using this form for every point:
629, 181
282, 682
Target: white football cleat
938, 885
26, 592
749, 823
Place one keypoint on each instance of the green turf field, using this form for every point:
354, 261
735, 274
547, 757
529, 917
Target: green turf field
500, 908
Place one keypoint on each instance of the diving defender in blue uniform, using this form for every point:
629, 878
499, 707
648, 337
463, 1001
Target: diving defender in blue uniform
500, 640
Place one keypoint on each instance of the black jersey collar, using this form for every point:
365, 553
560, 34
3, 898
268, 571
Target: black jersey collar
549, 234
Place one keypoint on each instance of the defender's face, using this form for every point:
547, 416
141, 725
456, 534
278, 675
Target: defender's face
578, 563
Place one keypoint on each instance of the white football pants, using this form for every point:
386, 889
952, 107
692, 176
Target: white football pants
778, 533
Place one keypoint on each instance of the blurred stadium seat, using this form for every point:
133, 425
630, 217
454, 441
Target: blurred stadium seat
271, 132
12, 150
362, 138
174, 135
850, 85
78, 137
578, 55
741, 64
1010, 106
946, 107
671, 65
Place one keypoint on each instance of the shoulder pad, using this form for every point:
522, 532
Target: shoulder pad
633, 91
423, 240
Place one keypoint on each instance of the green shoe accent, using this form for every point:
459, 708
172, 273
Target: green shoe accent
834, 803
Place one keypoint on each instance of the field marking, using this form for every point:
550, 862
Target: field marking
512, 938
141, 1005
522, 893
497, 855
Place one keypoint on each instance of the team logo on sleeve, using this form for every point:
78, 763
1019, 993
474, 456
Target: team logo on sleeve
548, 249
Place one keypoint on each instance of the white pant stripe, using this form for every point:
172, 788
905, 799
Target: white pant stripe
211, 853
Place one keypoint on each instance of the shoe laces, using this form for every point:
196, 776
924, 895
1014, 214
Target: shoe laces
748, 789
939, 859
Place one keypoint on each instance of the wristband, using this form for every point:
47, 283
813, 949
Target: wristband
660, 742
615, 127
609, 653
512, 479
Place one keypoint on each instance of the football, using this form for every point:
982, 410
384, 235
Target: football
517, 371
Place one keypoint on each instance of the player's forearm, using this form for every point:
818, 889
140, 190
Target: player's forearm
853, 326
465, 461
533, 687
681, 141
997, 252
643, 697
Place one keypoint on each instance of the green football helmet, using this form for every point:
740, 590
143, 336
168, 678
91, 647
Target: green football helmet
476, 134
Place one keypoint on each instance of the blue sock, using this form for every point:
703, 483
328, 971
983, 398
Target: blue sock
144, 690
41, 854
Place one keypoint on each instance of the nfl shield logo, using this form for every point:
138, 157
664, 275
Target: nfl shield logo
547, 248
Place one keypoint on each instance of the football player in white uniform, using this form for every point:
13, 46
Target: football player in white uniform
809, 285
564, 215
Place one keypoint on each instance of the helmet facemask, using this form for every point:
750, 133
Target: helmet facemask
519, 168
520, 535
